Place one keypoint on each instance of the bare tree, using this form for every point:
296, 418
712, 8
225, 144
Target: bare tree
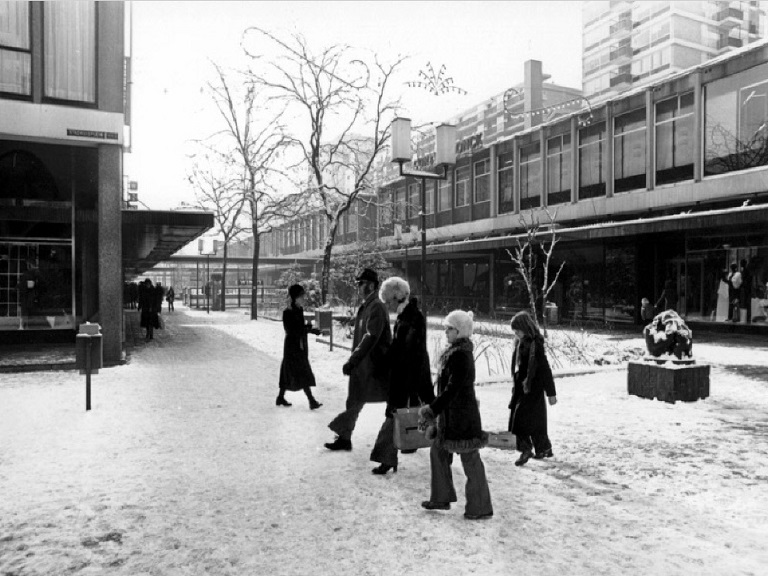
345, 113
252, 141
526, 257
216, 190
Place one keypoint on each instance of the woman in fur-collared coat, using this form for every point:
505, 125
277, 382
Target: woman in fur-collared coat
458, 425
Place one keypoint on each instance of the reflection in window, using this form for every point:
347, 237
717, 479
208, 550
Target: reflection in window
629, 151
70, 50
15, 55
506, 174
591, 161
414, 200
736, 122
462, 186
444, 193
482, 181
674, 143
530, 176
559, 169
399, 205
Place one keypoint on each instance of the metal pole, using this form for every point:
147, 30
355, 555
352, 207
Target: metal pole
88, 374
197, 284
423, 243
208, 284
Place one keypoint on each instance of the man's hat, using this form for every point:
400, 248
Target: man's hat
368, 275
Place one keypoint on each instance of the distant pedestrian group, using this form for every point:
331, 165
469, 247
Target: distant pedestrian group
393, 367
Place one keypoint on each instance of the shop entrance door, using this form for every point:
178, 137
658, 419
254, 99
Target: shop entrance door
690, 286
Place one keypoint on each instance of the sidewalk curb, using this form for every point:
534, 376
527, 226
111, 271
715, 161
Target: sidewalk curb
566, 373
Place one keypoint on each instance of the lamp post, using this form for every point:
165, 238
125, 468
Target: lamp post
207, 249
445, 156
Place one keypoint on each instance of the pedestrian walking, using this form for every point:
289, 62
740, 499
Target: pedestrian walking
170, 296
366, 366
148, 308
159, 297
295, 370
745, 293
533, 379
457, 427
410, 381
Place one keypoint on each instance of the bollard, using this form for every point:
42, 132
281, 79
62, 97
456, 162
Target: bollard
89, 355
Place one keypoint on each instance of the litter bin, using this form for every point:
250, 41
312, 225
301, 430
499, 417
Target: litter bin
553, 316
324, 320
89, 334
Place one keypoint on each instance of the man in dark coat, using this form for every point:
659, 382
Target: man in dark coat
148, 308
366, 366
295, 370
410, 380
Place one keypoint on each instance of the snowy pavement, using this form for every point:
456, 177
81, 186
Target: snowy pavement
185, 466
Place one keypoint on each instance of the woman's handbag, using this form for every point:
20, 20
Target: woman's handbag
406, 433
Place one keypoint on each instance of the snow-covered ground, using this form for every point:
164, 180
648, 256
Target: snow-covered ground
185, 466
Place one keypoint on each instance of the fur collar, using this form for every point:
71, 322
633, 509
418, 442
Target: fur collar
460, 345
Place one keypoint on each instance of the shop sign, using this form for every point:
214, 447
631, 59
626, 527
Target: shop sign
469, 144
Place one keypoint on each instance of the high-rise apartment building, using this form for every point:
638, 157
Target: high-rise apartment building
626, 43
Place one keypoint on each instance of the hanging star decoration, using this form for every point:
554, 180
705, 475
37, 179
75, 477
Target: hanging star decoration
435, 83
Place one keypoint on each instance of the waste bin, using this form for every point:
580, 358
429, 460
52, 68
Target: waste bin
552, 313
89, 334
324, 320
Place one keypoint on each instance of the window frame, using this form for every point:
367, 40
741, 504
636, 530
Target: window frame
467, 194
600, 144
619, 137
506, 167
673, 121
476, 177
532, 159
445, 185
20, 95
561, 156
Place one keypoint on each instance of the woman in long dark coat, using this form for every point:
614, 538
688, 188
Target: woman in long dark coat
533, 379
148, 308
295, 370
410, 381
458, 427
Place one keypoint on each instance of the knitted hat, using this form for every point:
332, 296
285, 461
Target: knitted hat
461, 321
295, 291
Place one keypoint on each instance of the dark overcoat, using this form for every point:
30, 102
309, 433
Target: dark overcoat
531, 370
148, 307
369, 379
295, 371
408, 361
459, 427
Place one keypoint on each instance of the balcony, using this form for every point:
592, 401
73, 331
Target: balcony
727, 43
730, 18
621, 80
622, 26
621, 55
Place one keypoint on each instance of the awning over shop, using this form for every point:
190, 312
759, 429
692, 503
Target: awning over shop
741, 217
151, 236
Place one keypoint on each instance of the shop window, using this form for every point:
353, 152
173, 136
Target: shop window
414, 200
674, 141
530, 176
15, 50
506, 173
399, 205
482, 181
629, 151
592, 161
385, 209
462, 187
559, 169
736, 122
444, 193
70, 51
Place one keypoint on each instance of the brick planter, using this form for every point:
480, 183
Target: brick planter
668, 381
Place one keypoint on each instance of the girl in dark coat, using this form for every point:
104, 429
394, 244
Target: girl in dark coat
295, 371
410, 381
533, 378
458, 425
148, 308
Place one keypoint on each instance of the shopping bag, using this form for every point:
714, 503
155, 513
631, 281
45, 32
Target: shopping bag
407, 435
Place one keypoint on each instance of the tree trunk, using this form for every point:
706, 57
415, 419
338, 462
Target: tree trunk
255, 272
224, 276
325, 278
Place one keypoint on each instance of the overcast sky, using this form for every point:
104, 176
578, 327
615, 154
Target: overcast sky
482, 44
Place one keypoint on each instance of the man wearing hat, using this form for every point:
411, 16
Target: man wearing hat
366, 366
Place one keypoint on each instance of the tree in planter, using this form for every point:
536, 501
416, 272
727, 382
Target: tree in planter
295, 274
251, 143
217, 191
347, 266
526, 257
333, 91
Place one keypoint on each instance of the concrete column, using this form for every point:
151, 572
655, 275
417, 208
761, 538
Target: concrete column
574, 160
543, 167
533, 89
650, 141
516, 179
110, 251
698, 129
492, 282
36, 39
608, 150
494, 181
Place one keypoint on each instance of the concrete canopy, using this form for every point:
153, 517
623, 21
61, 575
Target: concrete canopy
152, 236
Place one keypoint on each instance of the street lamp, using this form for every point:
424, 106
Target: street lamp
207, 249
445, 156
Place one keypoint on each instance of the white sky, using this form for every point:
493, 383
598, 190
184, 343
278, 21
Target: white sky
482, 44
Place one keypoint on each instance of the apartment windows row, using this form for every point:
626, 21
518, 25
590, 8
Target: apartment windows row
68, 45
